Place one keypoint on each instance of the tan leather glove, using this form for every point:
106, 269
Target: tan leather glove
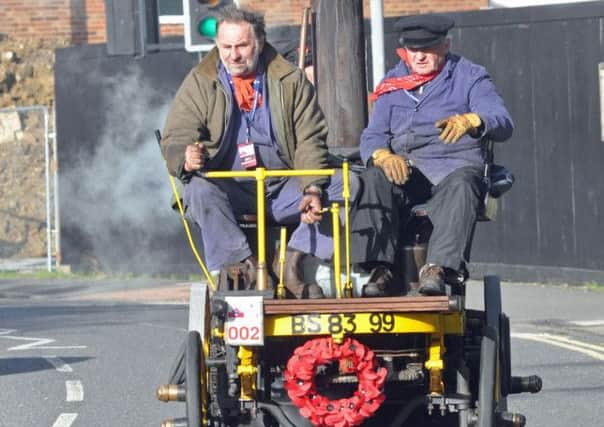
394, 166
454, 127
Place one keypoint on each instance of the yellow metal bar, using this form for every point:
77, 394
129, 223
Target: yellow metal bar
230, 174
435, 363
337, 262
205, 382
282, 245
260, 174
346, 197
261, 272
247, 373
269, 173
283, 325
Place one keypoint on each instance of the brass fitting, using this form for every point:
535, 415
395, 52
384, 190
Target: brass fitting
247, 373
179, 422
171, 393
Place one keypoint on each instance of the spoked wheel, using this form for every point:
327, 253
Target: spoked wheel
495, 360
196, 349
492, 301
177, 370
487, 378
496, 319
193, 379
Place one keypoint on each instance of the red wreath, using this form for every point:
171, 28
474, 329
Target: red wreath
352, 357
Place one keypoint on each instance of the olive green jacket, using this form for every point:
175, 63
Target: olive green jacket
200, 112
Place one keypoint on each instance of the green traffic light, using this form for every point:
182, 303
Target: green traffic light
207, 27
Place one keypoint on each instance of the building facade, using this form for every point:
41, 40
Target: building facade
84, 21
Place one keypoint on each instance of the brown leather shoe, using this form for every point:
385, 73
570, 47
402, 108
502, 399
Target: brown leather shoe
432, 280
292, 272
380, 282
248, 272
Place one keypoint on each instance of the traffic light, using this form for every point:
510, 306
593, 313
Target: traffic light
200, 23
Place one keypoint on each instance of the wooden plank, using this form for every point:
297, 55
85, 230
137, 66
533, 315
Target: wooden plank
340, 69
362, 305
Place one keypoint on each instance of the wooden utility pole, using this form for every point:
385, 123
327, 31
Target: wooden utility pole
340, 69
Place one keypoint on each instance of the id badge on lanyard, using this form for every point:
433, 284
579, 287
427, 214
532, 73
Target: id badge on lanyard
247, 154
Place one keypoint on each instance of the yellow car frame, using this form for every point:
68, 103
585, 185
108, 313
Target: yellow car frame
441, 359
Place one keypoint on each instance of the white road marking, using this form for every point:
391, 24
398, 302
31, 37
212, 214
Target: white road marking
65, 420
38, 343
591, 350
587, 322
58, 363
575, 342
75, 391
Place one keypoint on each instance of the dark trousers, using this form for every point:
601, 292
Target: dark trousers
215, 204
384, 209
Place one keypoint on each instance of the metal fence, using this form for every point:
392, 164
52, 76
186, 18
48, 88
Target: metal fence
29, 220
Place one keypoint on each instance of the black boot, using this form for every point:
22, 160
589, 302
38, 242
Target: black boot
292, 272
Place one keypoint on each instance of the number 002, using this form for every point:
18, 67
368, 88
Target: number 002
243, 333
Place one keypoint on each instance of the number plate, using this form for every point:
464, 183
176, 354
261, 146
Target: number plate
348, 323
244, 323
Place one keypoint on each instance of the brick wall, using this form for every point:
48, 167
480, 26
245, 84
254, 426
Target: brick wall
168, 30
278, 15
412, 7
83, 21
78, 21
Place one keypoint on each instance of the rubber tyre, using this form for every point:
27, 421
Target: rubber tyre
492, 301
193, 378
486, 380
505, 355
494, 317
177, 370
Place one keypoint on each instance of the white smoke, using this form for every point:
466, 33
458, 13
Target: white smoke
122, 193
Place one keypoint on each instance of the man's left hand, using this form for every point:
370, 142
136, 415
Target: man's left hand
454, 127
310, 208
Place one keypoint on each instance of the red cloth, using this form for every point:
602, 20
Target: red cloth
408, 82
244, 92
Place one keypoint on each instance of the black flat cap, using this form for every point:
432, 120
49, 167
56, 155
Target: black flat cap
419, 31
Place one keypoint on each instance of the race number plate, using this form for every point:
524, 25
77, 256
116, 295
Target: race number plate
348, 323
244, 323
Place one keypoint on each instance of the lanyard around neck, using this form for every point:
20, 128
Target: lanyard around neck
249, 115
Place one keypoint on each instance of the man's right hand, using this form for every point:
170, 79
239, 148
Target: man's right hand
394, 166
195, 157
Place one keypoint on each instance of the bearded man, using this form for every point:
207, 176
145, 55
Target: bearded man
245, 106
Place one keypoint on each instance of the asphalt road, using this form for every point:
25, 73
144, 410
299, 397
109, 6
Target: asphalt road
88, 353
87, 365
558, 334
92, 354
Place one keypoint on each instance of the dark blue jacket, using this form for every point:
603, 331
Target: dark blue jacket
404, 121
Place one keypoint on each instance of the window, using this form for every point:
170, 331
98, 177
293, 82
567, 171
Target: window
170, 11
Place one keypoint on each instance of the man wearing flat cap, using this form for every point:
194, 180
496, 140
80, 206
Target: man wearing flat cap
424, 144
